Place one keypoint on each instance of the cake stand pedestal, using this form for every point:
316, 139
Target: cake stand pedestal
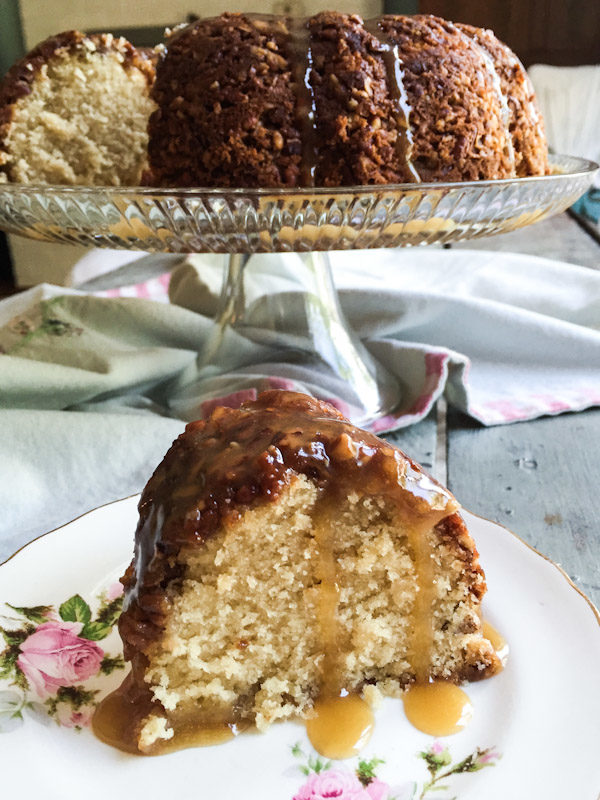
302, 326
296, 319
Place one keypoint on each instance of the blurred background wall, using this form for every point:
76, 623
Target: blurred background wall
559, 32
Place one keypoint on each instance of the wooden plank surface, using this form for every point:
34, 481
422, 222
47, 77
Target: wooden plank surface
560, 237
538, 478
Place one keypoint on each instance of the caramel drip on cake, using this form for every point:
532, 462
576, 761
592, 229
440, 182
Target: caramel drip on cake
341, 722
306, 109
329, 594
118, 719
422, 617
498, 641
390, 55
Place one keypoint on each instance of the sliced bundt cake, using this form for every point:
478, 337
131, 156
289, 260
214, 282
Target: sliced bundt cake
284, 556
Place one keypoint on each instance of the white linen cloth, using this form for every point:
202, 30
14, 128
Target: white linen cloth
569, 100
93, 389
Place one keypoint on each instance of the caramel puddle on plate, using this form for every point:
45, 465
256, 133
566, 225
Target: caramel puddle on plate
341, 727
118, 716
498, 641
342, 722
438, 708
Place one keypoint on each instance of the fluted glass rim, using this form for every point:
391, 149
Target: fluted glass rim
567, 167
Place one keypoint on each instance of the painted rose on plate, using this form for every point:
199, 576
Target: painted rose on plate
325, 782
52, 654
55, 655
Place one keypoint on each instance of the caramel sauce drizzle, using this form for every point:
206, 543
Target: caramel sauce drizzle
341, 723
306, 108
300, 63
497, 84
390, 55
118, 717
422, 617
498, 642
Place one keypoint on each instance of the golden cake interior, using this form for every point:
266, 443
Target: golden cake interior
83, 120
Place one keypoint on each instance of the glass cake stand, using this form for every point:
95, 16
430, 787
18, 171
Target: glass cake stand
314, 338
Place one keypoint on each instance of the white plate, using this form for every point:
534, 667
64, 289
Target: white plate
541, 714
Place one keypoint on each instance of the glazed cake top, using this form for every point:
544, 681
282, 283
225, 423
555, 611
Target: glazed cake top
238, 457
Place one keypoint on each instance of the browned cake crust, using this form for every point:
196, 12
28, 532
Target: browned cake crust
252, 100
456, 110
525, 121
226, 106
359, 121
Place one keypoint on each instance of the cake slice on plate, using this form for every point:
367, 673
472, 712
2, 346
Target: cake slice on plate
282, 557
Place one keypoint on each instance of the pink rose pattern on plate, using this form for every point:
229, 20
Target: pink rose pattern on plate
55, 655
51, 655
323, 782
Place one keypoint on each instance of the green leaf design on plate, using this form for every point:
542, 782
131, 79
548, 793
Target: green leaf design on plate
15, 638
37, 614
111, 611
366, 771
74, 696
110, 663
8, 660
95, 631
317, 764
75, 609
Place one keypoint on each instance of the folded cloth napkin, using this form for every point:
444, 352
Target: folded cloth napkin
94, 388
569, 101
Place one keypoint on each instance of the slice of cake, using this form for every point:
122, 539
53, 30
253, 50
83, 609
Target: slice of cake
75, 111
283, 557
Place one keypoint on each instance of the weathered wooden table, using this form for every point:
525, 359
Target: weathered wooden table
541, 479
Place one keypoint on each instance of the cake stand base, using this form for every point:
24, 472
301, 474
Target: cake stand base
285, 327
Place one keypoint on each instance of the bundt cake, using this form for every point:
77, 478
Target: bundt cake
264, 101
75, 111
254, 100
284, 556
